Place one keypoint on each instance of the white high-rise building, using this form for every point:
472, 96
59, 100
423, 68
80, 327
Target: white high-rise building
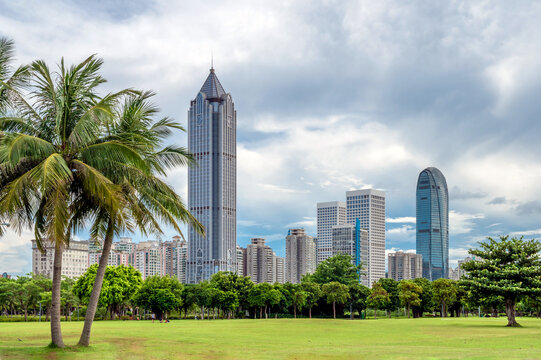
300, 255
212, 184
369, 207
74, 259
329, 214
279, 263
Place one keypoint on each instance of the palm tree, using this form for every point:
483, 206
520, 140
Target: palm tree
148, 201
50, 145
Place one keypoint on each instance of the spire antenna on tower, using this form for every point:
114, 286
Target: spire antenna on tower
211, 60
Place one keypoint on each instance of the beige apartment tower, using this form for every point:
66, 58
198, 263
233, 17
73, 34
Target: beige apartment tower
300, 255
405, 266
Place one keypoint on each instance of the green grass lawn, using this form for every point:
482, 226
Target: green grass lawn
433, 338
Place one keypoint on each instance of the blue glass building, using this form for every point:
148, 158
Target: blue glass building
433, 223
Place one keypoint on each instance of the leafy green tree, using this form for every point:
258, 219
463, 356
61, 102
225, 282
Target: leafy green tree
313, 294
427, 302
26, 294
391, 286
533, 304
258, 298
161, 294
358, 295
120, 283
203, 296
378, 298
229, 281
510, 268
299, 299
445, 292
410, 294
188, 297
68, 299
337, 268
335, 292
229, 301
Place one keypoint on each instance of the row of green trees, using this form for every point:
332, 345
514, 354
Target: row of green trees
333, 288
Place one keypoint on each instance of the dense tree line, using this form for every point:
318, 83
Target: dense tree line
333, 290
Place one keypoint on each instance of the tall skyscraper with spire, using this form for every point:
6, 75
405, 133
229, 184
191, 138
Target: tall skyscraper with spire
212, 183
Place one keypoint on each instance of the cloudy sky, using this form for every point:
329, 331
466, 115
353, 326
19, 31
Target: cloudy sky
331, 96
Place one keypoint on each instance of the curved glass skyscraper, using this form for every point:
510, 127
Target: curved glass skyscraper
433, 223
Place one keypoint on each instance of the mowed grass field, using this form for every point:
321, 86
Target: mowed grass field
428, 338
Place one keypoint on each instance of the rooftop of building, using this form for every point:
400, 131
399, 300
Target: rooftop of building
212, 86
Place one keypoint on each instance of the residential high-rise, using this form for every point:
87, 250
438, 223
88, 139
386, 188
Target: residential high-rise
329, 214
404, 266
260, 262
300, 255
433, 223
353, 241
460, 271
369, 207
174, 258
241, 261
149, 258
212, 184
280, 269
74, 259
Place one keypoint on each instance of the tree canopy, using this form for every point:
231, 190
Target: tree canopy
510, 268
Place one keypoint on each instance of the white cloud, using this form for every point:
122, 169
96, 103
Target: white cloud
526, 232
460, 223
401, 220
16, 252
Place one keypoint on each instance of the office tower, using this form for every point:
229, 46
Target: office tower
241, 261
74, 259
280, 269
404, 266
300, 255
260, 263
149, 258
212, 184
329, 214
369, 207
174, 258
433, 223
353, 241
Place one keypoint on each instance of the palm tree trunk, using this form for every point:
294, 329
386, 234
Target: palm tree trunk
96, 289
56, 330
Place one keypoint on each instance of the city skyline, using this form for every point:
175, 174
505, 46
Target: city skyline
349, 103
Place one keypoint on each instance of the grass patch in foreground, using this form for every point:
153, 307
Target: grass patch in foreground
450, 338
